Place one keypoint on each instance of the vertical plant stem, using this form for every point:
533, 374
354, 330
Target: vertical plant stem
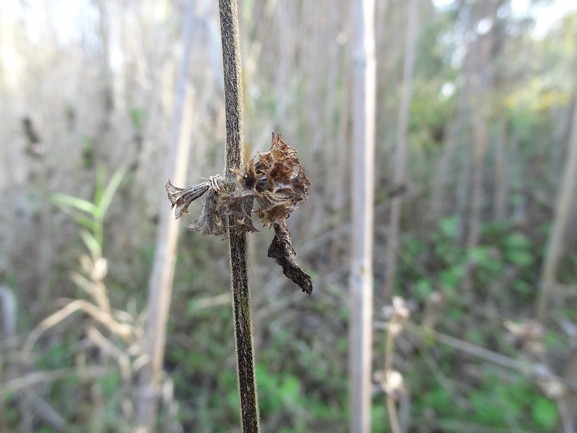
391, 408
555, 243
361, 273
162, 275
238, 241
501, 179
481, 82
401, 150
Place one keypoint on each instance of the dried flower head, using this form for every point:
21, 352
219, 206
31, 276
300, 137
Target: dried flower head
276, 180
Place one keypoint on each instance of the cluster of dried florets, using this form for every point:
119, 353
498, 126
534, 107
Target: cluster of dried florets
276, 180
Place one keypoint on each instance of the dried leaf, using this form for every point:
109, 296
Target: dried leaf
183, 197
282, 251
211, 221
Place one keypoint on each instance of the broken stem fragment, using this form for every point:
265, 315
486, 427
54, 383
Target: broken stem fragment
282, 251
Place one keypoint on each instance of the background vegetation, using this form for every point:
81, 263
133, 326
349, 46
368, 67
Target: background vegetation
87, 91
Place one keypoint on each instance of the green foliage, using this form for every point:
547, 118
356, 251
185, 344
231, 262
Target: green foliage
379, 417
10, 414
423, 289
545, 413
54, 358
138, 118
87, 152
496, 403
277, 391
91, 214
502, 249
439, 265
517, 250
439, 400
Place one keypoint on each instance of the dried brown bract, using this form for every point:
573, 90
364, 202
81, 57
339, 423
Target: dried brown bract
276, 180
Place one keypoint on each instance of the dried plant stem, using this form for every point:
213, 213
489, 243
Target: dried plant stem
394, 234
391, 408
362, 215
160, 284
556, 241
238, 241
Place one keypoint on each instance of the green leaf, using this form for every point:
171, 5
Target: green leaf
291, 389
91, 243
110, 190
137, 115
517, 240
73, 202
424, 288
479, 255
545, 413
522, 287
520, 258
518, 250
77, 216
450, 278
438, 400
99, 185
486, 410
449, 226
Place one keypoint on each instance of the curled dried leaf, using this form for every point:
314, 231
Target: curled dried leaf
282, 251
183, 197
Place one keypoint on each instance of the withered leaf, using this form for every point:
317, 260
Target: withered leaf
282, 251
183, 197
211, 221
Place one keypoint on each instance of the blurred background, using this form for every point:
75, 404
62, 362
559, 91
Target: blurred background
485, 255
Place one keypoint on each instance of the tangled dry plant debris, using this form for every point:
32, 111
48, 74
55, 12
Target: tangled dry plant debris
276, 180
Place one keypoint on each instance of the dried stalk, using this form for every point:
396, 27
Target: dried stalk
238, 241
362, 215
390, 402
275, 180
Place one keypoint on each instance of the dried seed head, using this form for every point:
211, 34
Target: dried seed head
276, 180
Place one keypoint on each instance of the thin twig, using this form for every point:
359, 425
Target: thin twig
38, 377
121, 329
528, 368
